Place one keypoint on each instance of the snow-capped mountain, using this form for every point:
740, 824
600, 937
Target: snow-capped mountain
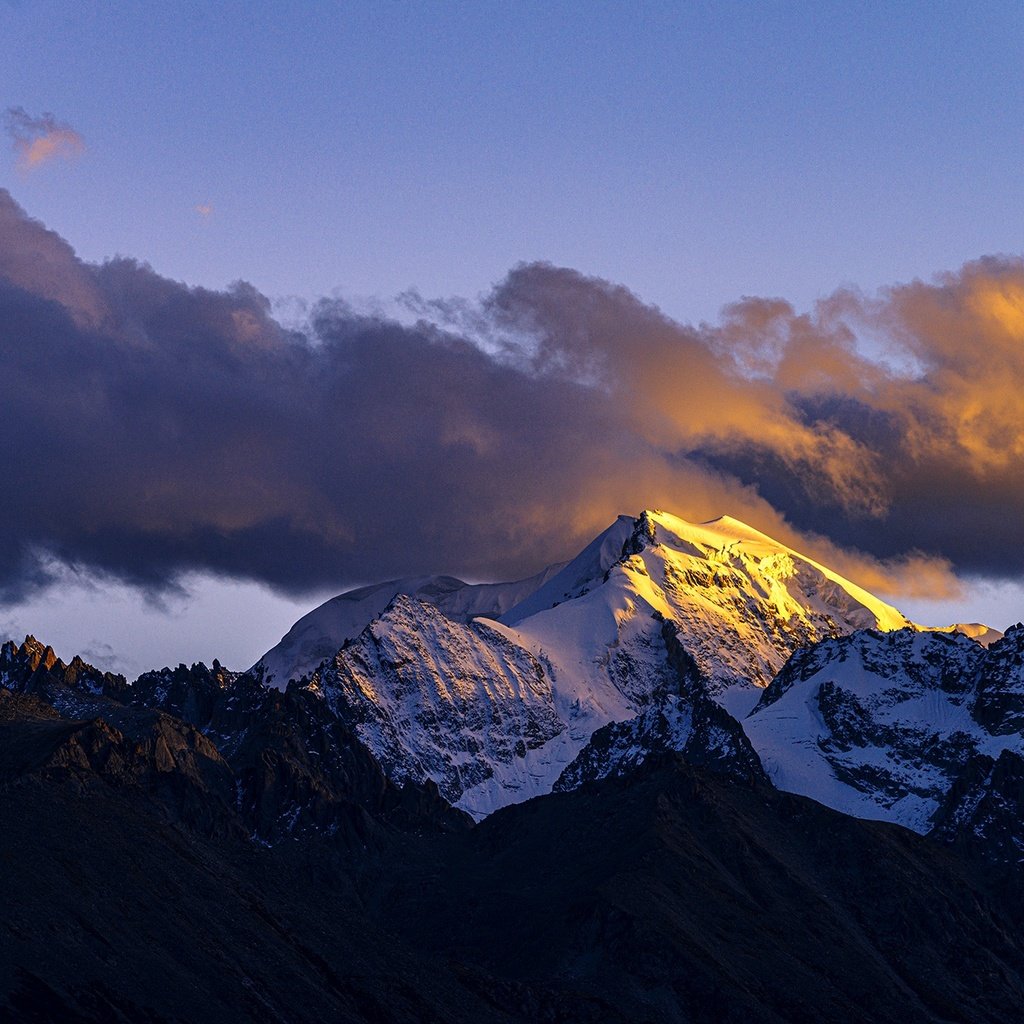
883, 725
494, 710
457, 703
742, 602
319, 634
710, 640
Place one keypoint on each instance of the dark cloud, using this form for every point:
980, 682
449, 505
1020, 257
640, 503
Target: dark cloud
150, 429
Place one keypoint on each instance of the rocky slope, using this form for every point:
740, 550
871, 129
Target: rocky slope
664, 897
982, 814
881, 725
259, 762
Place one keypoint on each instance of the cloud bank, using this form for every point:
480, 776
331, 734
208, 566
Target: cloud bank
40, 140
150, 429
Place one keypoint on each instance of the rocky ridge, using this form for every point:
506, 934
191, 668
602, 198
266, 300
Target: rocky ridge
254, 761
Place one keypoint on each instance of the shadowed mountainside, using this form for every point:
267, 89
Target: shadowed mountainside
668, 895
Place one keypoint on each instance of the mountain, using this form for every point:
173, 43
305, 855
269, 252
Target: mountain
258, 762
33, 667
741, 601
319, 634
667, 896
883, 725
494, 710
198, 845
657, 636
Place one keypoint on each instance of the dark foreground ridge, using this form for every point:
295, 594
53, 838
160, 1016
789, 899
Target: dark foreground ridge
153, 872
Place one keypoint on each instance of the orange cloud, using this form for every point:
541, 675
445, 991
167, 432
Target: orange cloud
43, 139
204, 209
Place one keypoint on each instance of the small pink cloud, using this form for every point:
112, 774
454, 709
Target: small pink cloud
39, 140
204, 209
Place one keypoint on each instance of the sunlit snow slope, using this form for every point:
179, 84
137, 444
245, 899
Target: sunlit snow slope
742, 603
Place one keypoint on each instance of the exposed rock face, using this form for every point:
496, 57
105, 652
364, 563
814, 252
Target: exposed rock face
983, 812
212, 699
32, 667
461, 705
999, 700
914, 727
883, 725
687, 722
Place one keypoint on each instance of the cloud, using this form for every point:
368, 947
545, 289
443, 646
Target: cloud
204, 209
102, 656
153, 429
42, 139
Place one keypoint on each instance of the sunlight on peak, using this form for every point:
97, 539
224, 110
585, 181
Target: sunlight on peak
712, 533
726, 531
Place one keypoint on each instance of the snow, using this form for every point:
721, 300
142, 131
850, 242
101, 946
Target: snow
319, 634
911, 696
576, 577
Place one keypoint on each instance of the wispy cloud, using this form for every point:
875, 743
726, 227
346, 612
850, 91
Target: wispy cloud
103, 656
204, 209
40, 140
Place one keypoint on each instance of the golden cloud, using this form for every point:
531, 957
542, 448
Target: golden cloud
43, 139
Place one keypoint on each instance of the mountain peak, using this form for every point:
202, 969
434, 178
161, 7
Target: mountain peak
492, 691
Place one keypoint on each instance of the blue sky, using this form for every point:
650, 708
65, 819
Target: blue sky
692, 152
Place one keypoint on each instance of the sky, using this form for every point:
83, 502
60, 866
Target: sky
507, 270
